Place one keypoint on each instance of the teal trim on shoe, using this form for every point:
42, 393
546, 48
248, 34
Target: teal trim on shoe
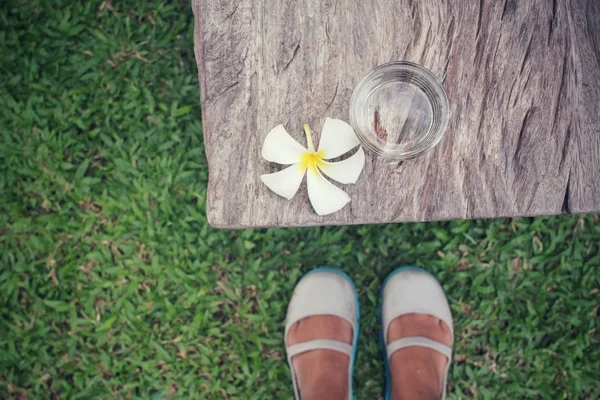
357, 327
388, 386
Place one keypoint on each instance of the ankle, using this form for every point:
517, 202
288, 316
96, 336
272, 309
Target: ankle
325, 390
327, 377
415, 392
416, 378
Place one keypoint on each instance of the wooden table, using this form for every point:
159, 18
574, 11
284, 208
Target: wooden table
523, 81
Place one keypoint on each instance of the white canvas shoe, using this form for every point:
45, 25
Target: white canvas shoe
323, 291
409, 290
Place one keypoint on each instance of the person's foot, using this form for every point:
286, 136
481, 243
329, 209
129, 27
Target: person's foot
418, 372
321, 374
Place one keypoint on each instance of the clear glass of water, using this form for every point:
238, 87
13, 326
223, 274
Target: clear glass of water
399, 110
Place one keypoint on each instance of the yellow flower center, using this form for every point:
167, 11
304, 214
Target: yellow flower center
311, 160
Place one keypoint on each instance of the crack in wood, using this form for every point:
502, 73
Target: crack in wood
533, 196
496, 50
417, 23
428, 35
450, 38
495, 201
504, 10
523, 87
422, 58
412, 9
512, 88
479, 18
551, 21
333, 99
231, 13
565, 208
450, 32
482, 112
406, 50
565, 148
296, 49
445, 73
335, 6
482, 155
519, 146
526, 56
469, 212
235, 82
560, 94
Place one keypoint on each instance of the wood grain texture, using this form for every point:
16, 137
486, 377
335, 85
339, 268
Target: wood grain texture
523, 81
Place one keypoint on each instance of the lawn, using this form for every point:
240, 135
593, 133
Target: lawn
112, 285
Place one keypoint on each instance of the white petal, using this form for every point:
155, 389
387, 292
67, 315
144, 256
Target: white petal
285, 182
337, 138
325, 197
281, 148
345, 171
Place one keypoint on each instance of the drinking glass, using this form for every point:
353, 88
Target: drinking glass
399, 110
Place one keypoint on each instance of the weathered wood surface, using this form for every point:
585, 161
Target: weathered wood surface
523, 80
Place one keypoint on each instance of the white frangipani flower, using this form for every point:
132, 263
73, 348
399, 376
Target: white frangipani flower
337, 138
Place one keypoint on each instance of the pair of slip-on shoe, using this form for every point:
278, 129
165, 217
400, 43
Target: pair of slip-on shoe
329, 291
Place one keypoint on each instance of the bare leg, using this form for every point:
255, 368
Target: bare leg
418, 372
322, 374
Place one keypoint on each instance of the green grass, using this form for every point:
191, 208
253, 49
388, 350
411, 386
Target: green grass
112, 285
